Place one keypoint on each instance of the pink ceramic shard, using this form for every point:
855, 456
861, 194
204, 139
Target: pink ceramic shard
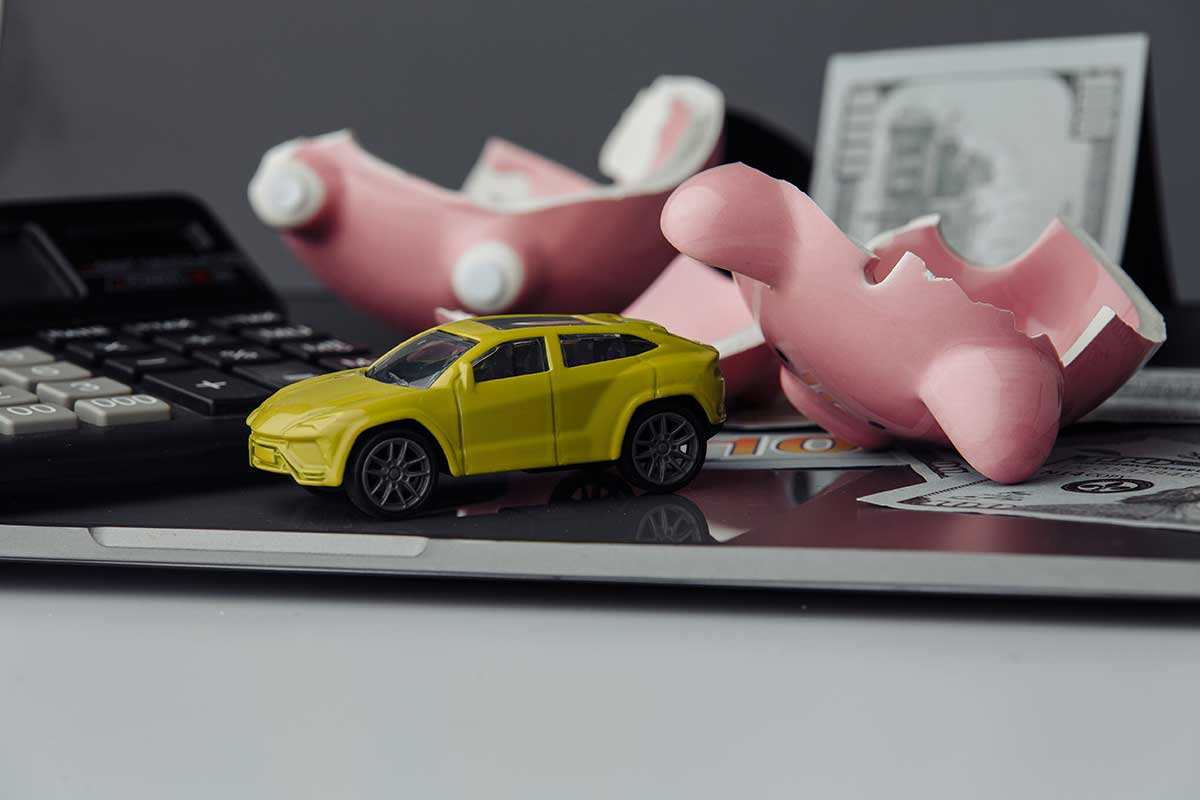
904, 339
523, 234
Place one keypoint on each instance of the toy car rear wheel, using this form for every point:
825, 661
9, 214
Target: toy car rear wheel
392, 473
663, 449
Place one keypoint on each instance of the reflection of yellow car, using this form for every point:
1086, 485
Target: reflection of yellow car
498, 393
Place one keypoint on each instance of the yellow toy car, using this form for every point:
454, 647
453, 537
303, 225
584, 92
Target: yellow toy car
490, 394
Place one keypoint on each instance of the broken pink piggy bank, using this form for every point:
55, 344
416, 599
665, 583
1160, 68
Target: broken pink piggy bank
523, 234
904, 339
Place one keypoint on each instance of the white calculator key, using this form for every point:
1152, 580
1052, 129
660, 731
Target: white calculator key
29, 377
12, 396
23, 357
65, 393
35, 418
128, 409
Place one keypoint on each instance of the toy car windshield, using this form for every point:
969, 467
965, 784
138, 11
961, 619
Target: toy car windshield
420, 362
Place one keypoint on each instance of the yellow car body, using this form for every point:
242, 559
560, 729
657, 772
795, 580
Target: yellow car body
557, 415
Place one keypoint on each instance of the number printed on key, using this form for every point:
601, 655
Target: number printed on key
29, 411
128, 400
129, 409
35, 418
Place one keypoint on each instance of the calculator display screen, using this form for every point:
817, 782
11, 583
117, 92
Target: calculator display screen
118, 259
149, 256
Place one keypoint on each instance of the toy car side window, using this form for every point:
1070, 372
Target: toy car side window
508, 360
580, 349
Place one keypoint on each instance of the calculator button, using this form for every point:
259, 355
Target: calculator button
57, 337
321, 348
29, 377
129, 409
236, 355
156, 326
65, 393
35, 418
134, 367
12, 396
275, 334
235, 321
24, 357
186, 342
96, 350
208, 391
345, 362
278, 375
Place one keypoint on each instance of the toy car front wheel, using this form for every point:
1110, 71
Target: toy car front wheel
663, 448
392, 473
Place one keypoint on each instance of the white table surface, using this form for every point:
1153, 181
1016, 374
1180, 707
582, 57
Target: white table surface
152, 684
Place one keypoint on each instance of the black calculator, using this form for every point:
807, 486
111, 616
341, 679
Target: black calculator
135, 337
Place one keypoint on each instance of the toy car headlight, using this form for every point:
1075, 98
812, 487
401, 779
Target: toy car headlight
314, 425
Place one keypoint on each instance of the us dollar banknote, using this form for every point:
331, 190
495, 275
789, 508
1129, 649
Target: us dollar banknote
1155, 394
1140, 480
996, 138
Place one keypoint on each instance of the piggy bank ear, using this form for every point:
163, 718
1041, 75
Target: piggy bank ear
745, 221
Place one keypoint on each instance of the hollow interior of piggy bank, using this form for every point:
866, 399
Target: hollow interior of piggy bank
1060, 287
667, 134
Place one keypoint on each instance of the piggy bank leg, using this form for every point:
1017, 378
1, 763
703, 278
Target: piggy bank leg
819, 407
999, 408
285, 192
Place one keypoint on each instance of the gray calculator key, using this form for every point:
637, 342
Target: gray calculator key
28, 377
129, 409
23, 357
35, 418
12, 396
65, 393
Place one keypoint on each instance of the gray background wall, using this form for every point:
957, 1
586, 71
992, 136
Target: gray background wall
133, 95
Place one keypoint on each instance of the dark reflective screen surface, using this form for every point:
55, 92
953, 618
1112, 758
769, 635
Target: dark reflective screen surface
722, 508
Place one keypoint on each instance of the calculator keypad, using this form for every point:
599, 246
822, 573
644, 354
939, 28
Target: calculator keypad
182, 360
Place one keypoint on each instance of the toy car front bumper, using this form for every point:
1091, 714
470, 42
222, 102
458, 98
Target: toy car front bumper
300, 459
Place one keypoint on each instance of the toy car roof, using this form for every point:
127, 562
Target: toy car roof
482, 326
512, 322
